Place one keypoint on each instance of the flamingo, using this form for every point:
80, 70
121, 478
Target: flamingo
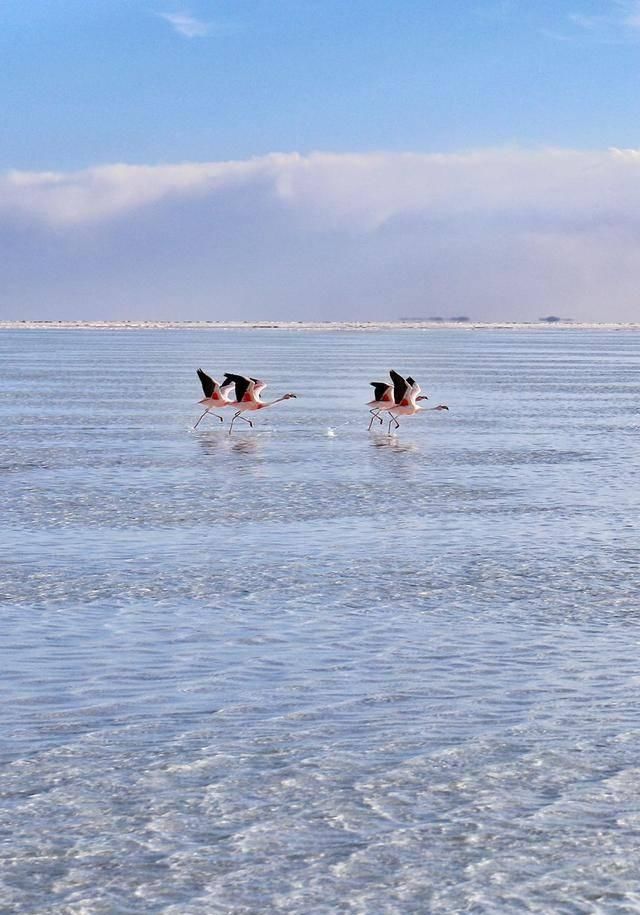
382, 400
408, 405
215, 396
388, 396
248, 392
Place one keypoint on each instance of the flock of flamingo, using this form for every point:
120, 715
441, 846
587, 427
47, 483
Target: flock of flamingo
399, 397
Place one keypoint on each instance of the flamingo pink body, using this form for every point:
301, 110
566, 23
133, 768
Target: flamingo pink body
215, 396
247, 400
409, 405
385, 403
398, 399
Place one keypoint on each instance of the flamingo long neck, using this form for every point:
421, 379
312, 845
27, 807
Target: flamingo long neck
271, 403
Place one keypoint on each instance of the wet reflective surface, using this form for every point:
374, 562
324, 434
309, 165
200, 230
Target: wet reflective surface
307, 668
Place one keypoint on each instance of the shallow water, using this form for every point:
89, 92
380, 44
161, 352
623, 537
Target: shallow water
287, 671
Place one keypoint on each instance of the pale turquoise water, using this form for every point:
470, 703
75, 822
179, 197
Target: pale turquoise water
289, 672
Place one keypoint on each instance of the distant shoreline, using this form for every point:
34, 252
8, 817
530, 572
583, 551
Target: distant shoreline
313, 325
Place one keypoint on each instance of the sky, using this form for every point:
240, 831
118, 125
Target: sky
321, 160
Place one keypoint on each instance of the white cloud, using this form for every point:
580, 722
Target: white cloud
97, 194
356, 191
187, 25
618, 23
495, 233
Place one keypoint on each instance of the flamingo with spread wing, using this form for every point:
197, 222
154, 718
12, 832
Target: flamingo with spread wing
216, 396
247, 391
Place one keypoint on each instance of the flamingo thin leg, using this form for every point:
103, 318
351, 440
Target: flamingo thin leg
236, 416
203, 415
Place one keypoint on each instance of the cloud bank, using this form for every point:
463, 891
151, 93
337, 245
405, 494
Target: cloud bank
504, 234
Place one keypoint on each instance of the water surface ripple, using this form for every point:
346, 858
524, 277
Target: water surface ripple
293, 672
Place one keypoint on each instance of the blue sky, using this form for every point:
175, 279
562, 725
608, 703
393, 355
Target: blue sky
320, 159
114, 80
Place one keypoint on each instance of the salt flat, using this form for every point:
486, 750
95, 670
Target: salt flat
313, 325
283, 671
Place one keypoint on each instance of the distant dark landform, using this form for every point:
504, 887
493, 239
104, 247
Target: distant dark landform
462, 319
438, 319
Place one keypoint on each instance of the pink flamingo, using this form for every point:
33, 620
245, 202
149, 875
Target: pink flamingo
389, 396
408, 405
215, 396
382, 400
248, 392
